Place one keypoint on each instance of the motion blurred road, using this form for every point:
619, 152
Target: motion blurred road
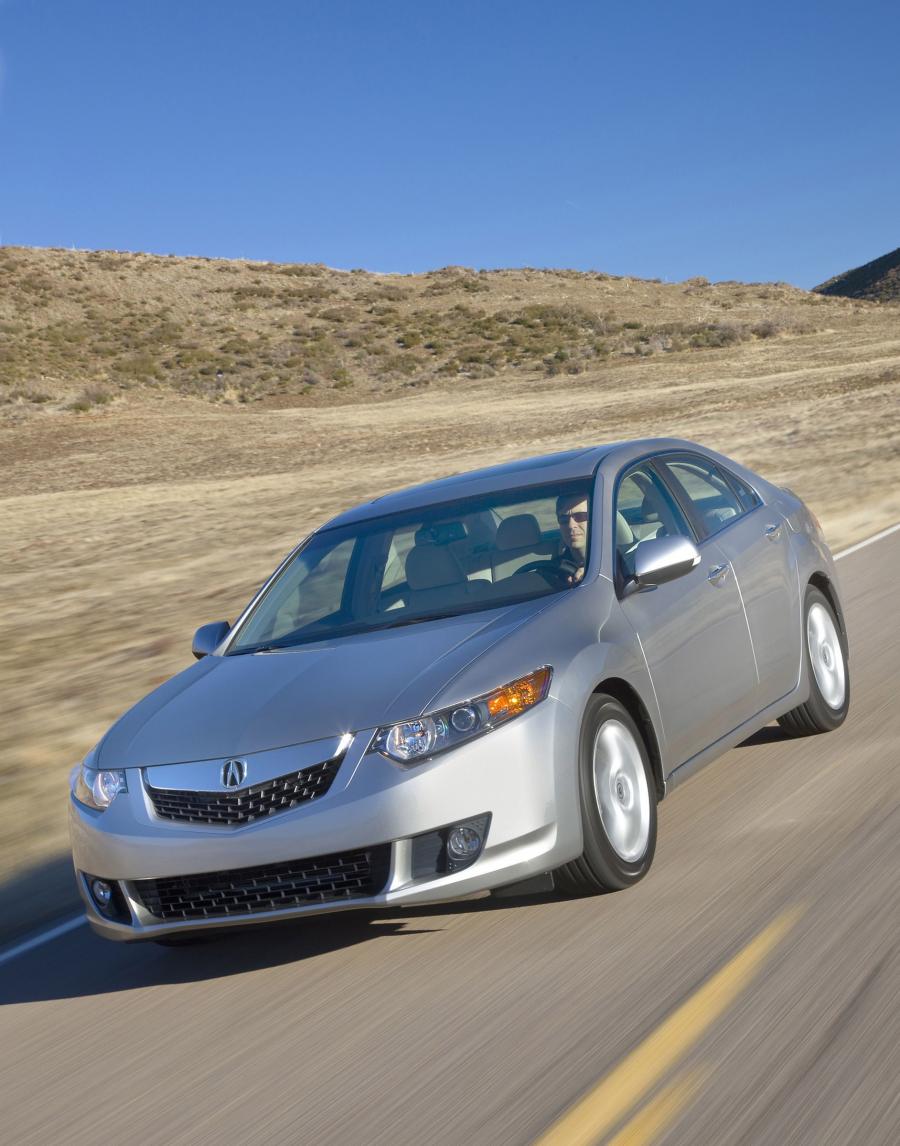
486, 1022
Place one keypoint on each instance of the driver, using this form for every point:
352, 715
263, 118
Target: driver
572, 514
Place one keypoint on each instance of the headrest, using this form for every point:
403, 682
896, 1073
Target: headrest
428, 566
518, 532
652, 506
624, 534
441, 533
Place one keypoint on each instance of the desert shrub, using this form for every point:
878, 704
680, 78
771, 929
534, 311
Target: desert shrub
393, 292
301, 270
89, 397
714, 334
251, 293
104, 261
400, 364
766, 329
480, 370
318, 292
139, 366
29, 392
236, 346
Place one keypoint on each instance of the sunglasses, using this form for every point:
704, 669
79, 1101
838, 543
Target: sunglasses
580, 516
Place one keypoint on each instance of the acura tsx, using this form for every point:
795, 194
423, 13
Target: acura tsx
490, 680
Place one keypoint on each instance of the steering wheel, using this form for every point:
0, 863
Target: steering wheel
552, 573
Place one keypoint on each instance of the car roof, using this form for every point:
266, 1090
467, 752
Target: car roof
546, 469
550, 468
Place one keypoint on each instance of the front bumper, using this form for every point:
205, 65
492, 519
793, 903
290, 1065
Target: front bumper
522, 775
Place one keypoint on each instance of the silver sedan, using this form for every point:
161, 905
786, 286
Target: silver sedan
486, 682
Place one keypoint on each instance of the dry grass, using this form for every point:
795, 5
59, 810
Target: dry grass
82, 327
125, 525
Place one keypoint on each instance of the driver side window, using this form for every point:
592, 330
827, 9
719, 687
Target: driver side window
644, 510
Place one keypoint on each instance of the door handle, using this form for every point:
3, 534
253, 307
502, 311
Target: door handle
717, 574
773, 532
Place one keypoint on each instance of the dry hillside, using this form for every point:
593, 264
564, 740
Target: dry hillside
169, 427
80, 329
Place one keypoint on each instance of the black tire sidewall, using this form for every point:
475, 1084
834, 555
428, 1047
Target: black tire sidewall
605, 863
823, 714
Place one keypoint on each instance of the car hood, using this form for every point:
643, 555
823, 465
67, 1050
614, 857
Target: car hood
253, 702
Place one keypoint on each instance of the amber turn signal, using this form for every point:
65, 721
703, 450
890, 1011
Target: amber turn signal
521, 694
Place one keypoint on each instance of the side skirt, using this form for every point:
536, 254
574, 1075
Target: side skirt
737, 735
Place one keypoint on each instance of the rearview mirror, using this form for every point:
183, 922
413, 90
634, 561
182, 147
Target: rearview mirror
208, 637
662, 559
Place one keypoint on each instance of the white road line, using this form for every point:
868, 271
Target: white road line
78, 921
42, 937
862, 544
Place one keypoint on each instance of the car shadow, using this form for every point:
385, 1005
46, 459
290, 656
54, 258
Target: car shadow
771, 734
79, 964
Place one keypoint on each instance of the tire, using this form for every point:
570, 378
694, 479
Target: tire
617, 793
826, 665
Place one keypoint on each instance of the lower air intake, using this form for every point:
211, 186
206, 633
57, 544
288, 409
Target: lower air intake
271, 887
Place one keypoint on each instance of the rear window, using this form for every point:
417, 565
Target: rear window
713, 500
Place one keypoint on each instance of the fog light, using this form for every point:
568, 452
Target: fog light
463, 843
102, 892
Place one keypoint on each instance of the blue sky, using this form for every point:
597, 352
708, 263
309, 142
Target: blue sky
754, 141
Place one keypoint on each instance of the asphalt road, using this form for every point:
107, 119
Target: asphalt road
748, 991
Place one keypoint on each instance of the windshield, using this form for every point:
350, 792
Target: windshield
435, 561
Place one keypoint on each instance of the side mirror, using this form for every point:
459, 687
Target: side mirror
208, 637
662, 559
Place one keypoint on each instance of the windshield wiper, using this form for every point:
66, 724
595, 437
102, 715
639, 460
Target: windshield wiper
266, 647
420, 617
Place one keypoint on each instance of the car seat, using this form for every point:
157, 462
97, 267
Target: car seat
436, 581
518, 541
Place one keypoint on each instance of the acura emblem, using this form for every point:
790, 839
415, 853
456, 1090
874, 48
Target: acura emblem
234, 772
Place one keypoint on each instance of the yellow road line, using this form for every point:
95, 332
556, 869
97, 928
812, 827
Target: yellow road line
652, 1119
612, 1098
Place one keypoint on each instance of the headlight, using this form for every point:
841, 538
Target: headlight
415, 740
97, 788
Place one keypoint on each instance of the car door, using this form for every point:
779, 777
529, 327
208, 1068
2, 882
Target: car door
693, 631
754, 539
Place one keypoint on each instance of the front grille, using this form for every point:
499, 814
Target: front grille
271, 887
249, 803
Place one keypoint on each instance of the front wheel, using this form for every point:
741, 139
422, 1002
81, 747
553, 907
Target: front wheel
618, 803
829, 675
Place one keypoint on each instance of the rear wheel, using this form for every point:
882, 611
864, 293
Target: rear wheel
618, 803
829, 676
